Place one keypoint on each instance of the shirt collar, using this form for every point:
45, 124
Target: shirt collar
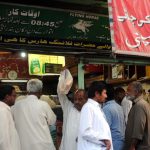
93, 102
137, 99
109, 102
32, 96
4, 105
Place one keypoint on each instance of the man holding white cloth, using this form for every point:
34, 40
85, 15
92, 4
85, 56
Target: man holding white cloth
71, 111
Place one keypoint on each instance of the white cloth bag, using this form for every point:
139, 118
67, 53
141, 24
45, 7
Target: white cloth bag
65, 82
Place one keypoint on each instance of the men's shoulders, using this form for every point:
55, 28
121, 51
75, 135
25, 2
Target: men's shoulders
142, 104
125, 101
43, 103
109, 103
5, 111
44, 106
88, 105
4, 106
141, 108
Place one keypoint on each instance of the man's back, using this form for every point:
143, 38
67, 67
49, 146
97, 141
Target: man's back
116, 121
9, 139
32, 118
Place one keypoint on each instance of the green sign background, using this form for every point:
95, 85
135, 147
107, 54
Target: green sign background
37, 22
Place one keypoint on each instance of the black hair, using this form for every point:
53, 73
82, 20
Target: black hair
71, 95
119, 90
5, 90
119, 94
110, 92
96, 86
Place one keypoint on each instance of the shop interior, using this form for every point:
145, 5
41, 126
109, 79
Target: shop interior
15, 69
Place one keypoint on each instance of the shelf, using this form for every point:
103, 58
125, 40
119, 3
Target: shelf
88, 81
144, 79
120, 81
14, 81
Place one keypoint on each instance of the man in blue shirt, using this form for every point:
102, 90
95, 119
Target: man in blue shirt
115, 118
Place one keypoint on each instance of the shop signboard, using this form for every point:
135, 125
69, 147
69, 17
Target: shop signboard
130, 26
86, 2
45, 64
52, 68
40, 26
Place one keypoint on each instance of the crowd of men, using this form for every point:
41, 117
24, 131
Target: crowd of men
101, 118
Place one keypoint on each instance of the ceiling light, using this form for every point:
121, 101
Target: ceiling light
23, 54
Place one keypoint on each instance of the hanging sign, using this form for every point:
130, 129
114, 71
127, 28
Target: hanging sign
37, 26
130, 26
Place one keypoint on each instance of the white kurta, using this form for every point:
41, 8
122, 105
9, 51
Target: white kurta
32, 118
9, 139
126, 105
71, 118
93, 127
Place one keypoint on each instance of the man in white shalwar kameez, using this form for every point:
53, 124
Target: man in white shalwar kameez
9, 139
126, 106
94, 131
32, 118
71, 111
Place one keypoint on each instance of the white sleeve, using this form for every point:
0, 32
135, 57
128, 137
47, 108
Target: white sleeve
51, 117
5, 143
86, 130
64, 101
65, 81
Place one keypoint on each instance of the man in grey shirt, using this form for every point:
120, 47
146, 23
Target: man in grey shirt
137, 135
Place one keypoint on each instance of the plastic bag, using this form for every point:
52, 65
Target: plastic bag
65, 82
